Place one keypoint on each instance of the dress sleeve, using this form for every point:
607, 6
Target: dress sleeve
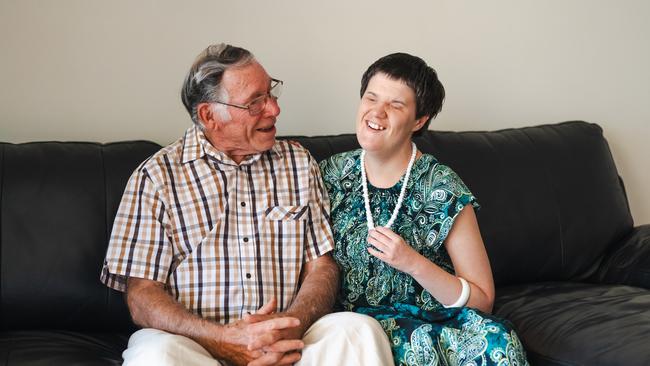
139, 245
451, 195
319, 232
331, 174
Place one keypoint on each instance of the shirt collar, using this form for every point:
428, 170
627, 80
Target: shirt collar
196, 146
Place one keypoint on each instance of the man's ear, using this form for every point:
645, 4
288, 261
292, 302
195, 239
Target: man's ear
419, 123
206, 115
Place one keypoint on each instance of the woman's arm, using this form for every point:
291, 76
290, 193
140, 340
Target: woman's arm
468, 255
467, 251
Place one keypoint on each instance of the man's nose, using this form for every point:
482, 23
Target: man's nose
272, 107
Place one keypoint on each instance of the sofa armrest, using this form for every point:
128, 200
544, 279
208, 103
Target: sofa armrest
629, 263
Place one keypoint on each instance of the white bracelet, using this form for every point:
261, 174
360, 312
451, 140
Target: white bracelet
464, 295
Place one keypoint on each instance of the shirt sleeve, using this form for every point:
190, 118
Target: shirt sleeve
139, 244
319, 232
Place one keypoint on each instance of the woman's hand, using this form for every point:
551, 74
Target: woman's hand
392, 249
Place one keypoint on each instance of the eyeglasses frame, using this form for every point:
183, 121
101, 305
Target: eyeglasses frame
277, 82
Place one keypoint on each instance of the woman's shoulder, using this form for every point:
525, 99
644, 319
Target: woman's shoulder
436, 173
440, 183
340, 165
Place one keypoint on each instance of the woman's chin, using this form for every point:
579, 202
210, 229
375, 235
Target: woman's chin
369, 147
369, 143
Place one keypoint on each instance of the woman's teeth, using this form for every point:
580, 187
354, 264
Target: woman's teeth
375, 126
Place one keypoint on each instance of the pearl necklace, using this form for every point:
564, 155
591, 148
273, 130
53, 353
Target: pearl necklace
364, 185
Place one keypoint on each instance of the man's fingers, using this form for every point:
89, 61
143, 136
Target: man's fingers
264, 340
290, 358
256, 353
266, 309
279, 323
268, 332
269, 307
285, 345
268, 358
261, 322
273, 358
255, 318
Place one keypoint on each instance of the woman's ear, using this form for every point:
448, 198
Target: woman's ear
419, 123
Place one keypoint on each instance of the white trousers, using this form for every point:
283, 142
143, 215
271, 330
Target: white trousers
346, 339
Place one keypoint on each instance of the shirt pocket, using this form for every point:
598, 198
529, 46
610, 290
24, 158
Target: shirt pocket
277, 213
283, 246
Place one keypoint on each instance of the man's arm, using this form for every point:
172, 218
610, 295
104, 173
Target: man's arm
153, 307
315, 298
318, 290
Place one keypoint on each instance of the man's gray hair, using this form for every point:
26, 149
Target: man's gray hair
202, 84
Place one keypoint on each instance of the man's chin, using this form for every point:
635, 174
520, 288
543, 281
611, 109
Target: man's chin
266, 145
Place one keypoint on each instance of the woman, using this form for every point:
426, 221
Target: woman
408, 243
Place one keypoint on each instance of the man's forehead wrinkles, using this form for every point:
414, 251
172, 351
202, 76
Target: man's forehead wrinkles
244, 82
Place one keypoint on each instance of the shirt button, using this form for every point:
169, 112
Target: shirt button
243, 204
248, 275
246, 240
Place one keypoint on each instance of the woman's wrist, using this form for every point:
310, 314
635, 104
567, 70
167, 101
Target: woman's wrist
464, 295
417, 264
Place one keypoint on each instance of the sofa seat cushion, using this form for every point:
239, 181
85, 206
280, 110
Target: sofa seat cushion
49, 347
579, 323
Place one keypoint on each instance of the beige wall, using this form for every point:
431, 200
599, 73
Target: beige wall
111, 70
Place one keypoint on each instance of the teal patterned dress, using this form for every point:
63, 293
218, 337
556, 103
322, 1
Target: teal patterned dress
421, 330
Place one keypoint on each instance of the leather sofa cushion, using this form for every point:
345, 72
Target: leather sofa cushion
36, 348
572, 323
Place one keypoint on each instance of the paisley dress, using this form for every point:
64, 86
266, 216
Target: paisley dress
421, 330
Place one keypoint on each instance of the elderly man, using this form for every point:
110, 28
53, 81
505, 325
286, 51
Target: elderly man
222, 239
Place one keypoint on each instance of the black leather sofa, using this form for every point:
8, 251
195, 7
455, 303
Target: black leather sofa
572, 272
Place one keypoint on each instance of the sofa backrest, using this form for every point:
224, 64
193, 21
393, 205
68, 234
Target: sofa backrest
57, 204
551, 199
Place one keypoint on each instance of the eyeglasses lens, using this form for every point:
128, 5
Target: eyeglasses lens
276, 89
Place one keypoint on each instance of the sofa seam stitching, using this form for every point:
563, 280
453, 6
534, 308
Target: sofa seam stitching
2, 183
101, 152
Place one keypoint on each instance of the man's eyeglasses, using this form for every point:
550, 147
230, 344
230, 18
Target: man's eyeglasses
256, 105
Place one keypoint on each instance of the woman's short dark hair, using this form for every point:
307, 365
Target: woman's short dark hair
414, 72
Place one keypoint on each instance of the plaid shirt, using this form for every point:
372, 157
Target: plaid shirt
223, 237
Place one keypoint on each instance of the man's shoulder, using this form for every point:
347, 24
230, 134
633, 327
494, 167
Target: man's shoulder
291, 149
167, 156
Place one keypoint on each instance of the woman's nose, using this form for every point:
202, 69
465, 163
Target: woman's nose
379, 109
